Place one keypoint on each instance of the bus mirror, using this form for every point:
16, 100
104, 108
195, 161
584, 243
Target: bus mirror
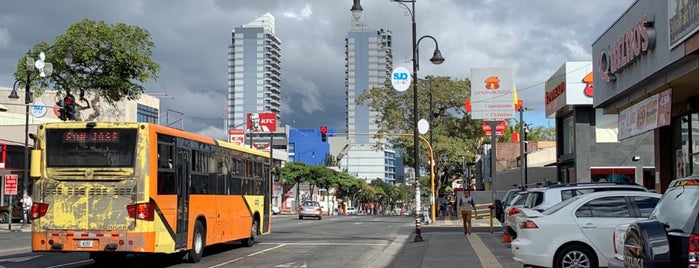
36, 164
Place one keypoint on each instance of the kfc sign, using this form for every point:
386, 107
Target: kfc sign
262, 122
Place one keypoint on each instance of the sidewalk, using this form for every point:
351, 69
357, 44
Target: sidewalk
445, 245
16, 227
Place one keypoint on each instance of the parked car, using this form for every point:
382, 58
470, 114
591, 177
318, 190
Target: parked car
542, 198
670, 236
351, 211
510, 213
501, 205
310, 209
582, 226
5, 213
276, 210
618, 240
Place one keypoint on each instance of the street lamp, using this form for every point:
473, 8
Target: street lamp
44, 69
436, 59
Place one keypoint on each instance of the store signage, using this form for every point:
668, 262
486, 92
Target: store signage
492, 94
646, 115
557, 91
11, 184
682, 20
628, 48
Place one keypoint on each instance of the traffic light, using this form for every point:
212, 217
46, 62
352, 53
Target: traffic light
69, 102
61, 110
323, 133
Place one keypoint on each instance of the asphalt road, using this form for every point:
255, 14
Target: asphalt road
338, 241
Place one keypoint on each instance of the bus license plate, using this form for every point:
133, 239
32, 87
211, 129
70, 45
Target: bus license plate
85, 243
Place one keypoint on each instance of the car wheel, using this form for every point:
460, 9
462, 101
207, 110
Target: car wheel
249, 242
198, 243
575, 256
646, 243
300, 217
320, 217
4, 217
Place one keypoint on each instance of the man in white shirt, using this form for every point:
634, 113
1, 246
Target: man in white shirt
468, 210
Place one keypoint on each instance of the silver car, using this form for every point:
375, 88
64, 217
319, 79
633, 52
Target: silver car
310, 209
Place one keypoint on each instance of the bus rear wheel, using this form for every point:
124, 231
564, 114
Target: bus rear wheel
198, 243
249, 242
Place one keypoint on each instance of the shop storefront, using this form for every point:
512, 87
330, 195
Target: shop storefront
648, 68
588, 149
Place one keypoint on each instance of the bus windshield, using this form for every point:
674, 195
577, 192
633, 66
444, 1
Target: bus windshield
90, 147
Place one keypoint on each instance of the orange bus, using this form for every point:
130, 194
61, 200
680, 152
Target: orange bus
114, 188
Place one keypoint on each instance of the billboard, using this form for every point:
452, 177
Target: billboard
492, 94
262, 122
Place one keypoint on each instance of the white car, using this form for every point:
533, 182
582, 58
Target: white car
578, 230
351, 211
618, 240
276, 210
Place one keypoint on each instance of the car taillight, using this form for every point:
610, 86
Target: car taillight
141, 211
513, 211
529, 224
693, 250
39, 210
317, 209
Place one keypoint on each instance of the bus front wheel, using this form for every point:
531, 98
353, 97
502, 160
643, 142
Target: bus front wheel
198, 243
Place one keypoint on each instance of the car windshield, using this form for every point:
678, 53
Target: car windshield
559, 206
310, 204
676, 206
510, 196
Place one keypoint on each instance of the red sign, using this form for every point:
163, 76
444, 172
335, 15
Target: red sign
11, 184
262, 122
499, 129
236, 136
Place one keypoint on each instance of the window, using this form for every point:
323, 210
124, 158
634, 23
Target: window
146, 114
645, 205
605, 207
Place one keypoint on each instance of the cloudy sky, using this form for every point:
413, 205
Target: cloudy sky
534, 37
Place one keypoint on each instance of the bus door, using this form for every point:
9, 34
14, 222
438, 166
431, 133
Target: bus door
183, 179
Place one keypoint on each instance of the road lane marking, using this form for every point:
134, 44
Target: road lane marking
69, 264
325, 244
14, 249
486, 257
357, 223
249, 255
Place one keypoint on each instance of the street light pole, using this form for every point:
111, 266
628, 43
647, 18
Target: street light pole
46, 69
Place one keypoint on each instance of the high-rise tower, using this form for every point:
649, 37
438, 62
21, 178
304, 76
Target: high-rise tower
254, 71
369, 62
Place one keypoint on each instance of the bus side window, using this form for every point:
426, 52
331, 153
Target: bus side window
166, 183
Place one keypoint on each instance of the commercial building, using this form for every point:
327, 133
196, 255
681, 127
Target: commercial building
646, 68
254, 78
587, 148
368, 63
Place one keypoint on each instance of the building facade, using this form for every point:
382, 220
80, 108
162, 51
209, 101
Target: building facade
646, 68
588, 149
254, 74
368, 63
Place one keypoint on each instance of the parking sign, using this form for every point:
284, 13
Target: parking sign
11, 184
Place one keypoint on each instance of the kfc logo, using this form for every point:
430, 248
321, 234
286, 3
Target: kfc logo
262, 122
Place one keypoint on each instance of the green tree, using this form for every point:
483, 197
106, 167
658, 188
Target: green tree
109, 60
455, 135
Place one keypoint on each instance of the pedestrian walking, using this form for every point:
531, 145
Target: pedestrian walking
468, 210
26, 208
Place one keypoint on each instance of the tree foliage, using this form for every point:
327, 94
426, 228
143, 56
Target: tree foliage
109, 60
456, 136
